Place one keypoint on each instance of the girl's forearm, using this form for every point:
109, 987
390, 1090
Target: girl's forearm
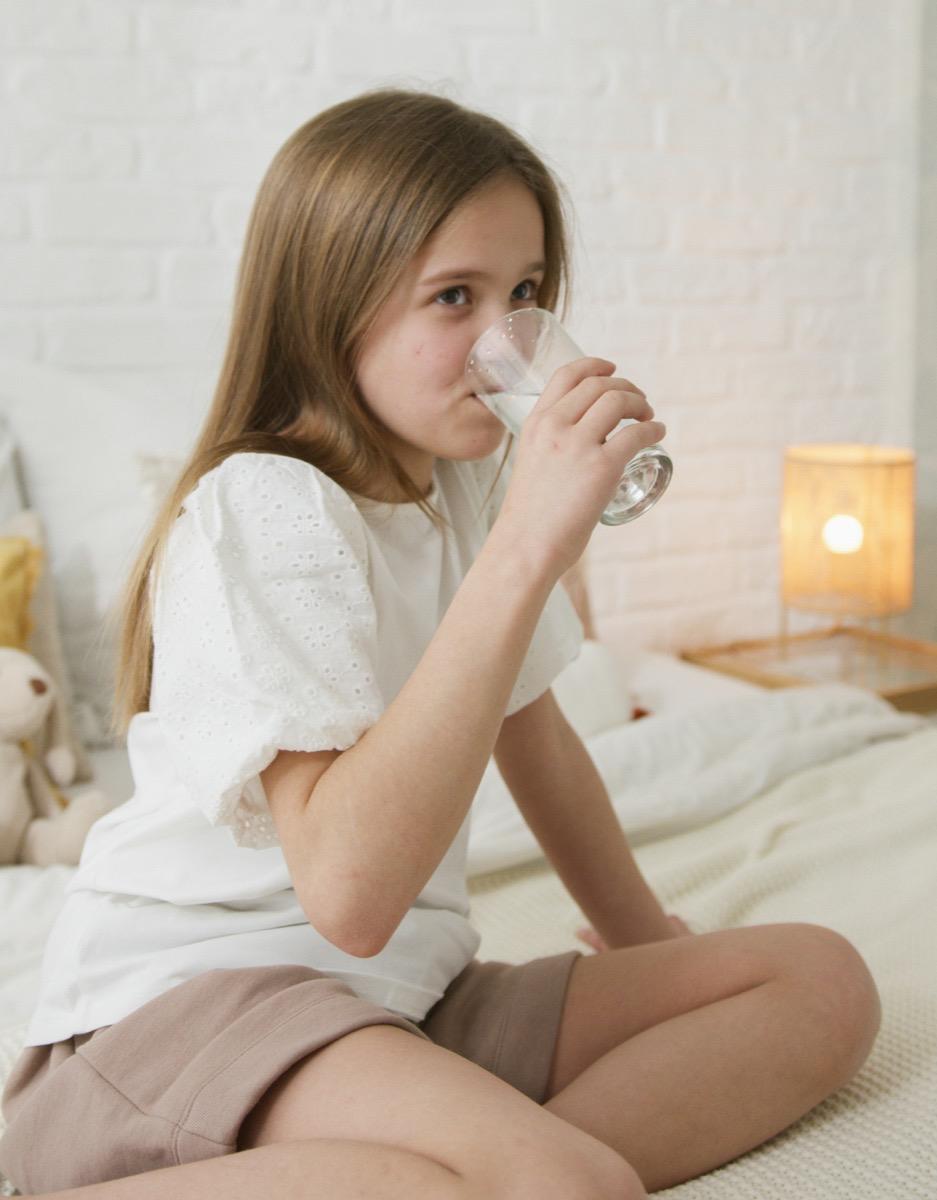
562, 797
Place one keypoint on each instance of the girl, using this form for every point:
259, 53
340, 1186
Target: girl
263, 980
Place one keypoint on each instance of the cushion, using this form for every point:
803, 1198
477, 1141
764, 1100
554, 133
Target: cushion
20, 561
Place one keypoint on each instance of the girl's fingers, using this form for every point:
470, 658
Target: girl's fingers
632, 439
564, 387
592, 939
566, 378
586, 388
610, 408
588, 935
576, 441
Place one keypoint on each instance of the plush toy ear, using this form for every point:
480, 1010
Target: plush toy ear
20, 564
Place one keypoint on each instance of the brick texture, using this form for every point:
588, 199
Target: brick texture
744, 175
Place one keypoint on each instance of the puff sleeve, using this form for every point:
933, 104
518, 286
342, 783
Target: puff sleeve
264, 628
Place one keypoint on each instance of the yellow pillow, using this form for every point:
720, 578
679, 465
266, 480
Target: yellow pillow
20, 562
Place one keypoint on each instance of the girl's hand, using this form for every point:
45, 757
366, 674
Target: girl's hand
566, 466
600, 946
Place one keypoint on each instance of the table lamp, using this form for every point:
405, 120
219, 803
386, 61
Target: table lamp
847, 531
847, 536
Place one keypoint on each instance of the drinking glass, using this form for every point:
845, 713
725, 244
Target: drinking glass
511, 364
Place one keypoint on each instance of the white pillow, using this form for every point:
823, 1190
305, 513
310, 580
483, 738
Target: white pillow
593, 691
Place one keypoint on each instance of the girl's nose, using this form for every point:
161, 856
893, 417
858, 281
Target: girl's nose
489, 314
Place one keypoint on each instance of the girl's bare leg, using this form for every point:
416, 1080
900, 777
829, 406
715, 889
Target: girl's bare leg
684, 1054
289, 1172
382, 1114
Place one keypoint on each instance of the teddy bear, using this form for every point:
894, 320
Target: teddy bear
38, 824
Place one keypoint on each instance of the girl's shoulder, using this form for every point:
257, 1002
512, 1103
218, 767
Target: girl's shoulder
262, 490
250, 469
253, 487
250, 479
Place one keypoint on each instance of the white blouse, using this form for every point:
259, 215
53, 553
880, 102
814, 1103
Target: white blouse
287, 617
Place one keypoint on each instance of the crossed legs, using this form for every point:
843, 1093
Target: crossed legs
678, 1056
672, 1058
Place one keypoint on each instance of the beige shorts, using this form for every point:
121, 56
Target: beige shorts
174, 1081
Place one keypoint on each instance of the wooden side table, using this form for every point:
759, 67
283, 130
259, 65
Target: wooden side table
902, 670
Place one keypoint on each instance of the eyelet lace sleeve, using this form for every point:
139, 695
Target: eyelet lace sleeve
264, 632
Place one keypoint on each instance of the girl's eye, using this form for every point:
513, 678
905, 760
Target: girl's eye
453, 296
525, 291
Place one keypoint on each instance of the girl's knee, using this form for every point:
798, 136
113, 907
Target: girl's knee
841, 1001
567, 1165
599, 1174
598, 1177
590, 1170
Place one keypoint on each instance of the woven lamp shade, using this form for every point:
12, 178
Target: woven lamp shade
847, 530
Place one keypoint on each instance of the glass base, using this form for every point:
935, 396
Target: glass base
645, 480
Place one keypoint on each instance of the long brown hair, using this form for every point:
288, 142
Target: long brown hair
345, 205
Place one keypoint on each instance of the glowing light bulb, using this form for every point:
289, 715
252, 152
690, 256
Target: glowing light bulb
843, 534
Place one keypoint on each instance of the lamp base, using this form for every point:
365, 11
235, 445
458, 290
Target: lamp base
901, 670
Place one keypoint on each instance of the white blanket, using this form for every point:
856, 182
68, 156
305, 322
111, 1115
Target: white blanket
680, 769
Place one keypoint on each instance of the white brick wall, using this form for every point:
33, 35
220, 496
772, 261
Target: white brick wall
743, 173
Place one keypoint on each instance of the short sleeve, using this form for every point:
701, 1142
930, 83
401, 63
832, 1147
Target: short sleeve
264, 632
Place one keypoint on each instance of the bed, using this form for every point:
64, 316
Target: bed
744, 805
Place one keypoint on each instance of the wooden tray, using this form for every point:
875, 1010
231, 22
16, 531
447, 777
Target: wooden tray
902, 670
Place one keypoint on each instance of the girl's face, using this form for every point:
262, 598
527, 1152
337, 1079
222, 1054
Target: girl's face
485, 260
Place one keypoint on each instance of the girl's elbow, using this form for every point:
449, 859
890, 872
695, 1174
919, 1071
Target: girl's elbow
360, 942
358, 929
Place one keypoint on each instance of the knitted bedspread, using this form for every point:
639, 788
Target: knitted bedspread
852, 845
